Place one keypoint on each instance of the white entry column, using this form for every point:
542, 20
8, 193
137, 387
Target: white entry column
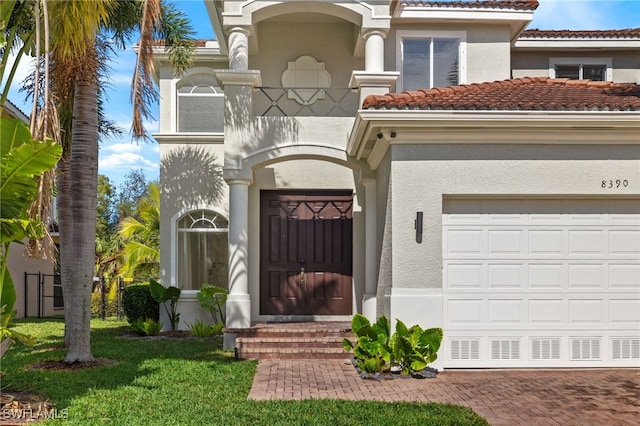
369, 303
238, 300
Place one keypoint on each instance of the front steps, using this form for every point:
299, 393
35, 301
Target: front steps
293, 340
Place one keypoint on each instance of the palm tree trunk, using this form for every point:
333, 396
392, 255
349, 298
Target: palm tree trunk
83, 178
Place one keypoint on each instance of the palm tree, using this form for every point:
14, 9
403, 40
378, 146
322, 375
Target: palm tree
75, 41
141, 251
78, 177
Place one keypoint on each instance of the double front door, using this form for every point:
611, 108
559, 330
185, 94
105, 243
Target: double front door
306, 252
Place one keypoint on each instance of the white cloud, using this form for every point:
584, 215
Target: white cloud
122, 147
119, 158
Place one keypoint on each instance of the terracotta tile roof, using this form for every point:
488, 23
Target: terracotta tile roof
626, 33
536, 94
477, 4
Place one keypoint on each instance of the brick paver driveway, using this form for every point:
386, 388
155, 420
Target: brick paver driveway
503, 397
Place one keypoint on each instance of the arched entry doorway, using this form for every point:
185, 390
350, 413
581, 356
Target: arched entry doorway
306, 252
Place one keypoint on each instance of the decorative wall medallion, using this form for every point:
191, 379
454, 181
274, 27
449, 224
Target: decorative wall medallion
306, 78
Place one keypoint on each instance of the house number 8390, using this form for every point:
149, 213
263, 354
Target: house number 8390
614, 183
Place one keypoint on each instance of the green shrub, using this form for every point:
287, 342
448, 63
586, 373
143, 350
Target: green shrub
148, 327
213, 299
377, 350
217, 328
200, 329
138, 304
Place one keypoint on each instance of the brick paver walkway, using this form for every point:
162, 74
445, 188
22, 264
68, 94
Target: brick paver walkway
503, 397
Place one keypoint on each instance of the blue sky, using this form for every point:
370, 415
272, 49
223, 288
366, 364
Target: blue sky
119, 155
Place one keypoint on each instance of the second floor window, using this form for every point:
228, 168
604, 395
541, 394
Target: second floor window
200, 104
430, 60
582, 72
595, 69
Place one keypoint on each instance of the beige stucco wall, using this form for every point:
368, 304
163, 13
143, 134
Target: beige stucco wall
331, 43
18, 264
421, 175
626, 65
185, 186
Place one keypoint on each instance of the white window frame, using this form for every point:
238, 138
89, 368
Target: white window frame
175, 83
606, 61
462, 53
174, 239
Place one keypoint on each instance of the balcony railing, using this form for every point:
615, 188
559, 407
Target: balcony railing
305, 102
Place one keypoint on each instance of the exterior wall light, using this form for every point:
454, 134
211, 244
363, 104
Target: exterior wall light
418, 226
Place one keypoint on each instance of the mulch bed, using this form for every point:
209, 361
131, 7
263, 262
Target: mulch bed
427, 373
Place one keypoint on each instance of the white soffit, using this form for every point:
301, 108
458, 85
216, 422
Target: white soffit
575, 43
516, 19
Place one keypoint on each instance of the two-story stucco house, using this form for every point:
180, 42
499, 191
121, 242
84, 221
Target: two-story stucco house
431, 161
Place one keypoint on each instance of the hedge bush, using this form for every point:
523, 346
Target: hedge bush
138, 304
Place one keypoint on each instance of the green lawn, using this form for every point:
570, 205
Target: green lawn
183, 382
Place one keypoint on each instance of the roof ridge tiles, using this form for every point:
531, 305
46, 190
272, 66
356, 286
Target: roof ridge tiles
526, 93
478, 4
608, 33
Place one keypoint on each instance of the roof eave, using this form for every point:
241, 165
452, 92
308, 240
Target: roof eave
374, 130
517, 20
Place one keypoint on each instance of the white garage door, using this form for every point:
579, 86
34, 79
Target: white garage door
541, 283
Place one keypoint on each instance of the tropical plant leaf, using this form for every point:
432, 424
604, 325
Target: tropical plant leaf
401, 329
23, 159
417, 364
7, 292
347, 344
432, 338
359, 321
382, 327
172, 294
413, 335
16, 230
157, 291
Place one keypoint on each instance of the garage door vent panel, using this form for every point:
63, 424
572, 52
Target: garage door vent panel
465, 349
505, 349
625, 348
585, 349
545, 349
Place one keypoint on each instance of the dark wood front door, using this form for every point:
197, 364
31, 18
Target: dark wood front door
306, 252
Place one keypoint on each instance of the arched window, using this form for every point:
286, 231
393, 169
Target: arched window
203, 249
200, 104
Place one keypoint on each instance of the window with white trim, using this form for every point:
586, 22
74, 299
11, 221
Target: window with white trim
202, 249
429, 59
200, 104
595, 69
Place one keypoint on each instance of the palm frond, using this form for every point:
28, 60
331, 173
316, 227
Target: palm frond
77, 23
143, 91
